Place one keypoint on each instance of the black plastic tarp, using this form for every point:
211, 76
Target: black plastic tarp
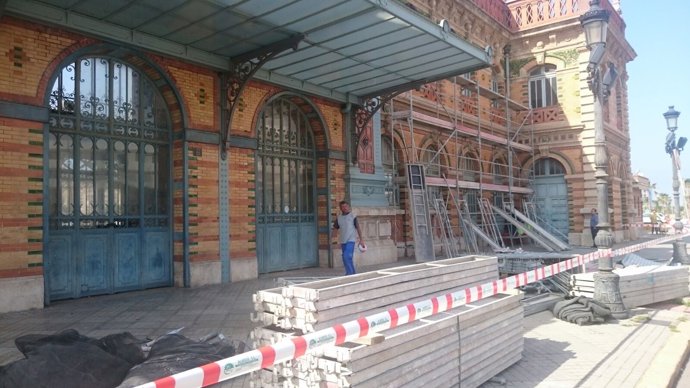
69, 359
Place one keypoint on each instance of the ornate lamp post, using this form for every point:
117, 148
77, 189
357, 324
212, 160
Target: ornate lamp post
595, 23
673, 148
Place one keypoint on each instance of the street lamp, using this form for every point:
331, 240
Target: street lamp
673, 148
595, 24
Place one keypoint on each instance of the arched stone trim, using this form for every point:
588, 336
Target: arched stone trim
529, 164
533, 64
469, 153
431, 141
308, 107
153, 71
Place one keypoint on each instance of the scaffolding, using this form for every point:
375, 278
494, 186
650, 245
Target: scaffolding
463, 120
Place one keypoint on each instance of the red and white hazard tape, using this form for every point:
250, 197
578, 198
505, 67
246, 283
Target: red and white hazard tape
292, 348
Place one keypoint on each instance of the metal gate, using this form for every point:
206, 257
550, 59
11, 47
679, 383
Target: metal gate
108, 189
285, 174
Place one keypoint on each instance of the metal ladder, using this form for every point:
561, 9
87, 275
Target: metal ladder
467, 232
530, 210
424, 249
447, 236
489, 221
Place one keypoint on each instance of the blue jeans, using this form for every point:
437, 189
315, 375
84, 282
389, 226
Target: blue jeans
348, 252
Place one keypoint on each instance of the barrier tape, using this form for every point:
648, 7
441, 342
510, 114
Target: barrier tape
292, 348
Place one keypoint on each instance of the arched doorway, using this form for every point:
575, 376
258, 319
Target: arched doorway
551, 193
108, 200
286, 230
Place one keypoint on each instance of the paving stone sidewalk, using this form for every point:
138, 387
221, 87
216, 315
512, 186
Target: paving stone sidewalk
557, 354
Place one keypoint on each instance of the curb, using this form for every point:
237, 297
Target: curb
665, 368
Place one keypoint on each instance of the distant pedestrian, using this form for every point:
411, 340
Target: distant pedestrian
653, 220
349, 231
594, 226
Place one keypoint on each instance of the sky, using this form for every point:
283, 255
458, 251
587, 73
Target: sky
658, 77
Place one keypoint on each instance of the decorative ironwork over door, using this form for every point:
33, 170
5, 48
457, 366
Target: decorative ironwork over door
285, 176
109, 223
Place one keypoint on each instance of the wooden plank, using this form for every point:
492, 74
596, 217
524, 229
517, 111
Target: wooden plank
485, 352
398, 336
395, 338
471, 365
485, 270
370, 339
495, 324
269, 335
490, 371
419, 337
354, 284
273, 295
405, 296
374, 368
423, 375
412, 367
448, 334
449, 378
641, 273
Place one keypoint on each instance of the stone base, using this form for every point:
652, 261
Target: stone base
680, 253
607, 291
24, 293
378, 252
244, 269
585, 238
377, 230
202, 274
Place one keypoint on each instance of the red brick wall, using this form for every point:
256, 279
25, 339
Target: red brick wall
203, 202
241, 189
30, 55
21, 188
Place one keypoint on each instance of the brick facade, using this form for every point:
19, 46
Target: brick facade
31, 54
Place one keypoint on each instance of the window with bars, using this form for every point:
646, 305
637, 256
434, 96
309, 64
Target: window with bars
285, 165
548, 166
108, 147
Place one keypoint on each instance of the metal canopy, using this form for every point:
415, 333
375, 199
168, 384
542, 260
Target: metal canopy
352, 49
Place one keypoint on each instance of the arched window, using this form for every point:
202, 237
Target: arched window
543, 90
548, 166
109, 181
499, 170
286, 207
431, 159
110, 128
285, 168
468, 168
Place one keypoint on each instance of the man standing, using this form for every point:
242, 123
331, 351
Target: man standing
653, 220
593, 226
349, 229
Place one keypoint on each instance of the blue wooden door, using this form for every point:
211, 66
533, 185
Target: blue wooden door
286, 233
551, 194
108, 199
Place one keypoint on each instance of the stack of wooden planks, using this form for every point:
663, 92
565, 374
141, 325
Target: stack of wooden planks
640, 286
468, 344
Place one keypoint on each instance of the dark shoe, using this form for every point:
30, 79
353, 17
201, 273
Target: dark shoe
594, 246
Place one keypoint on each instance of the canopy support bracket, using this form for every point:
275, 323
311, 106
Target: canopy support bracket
242, 69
